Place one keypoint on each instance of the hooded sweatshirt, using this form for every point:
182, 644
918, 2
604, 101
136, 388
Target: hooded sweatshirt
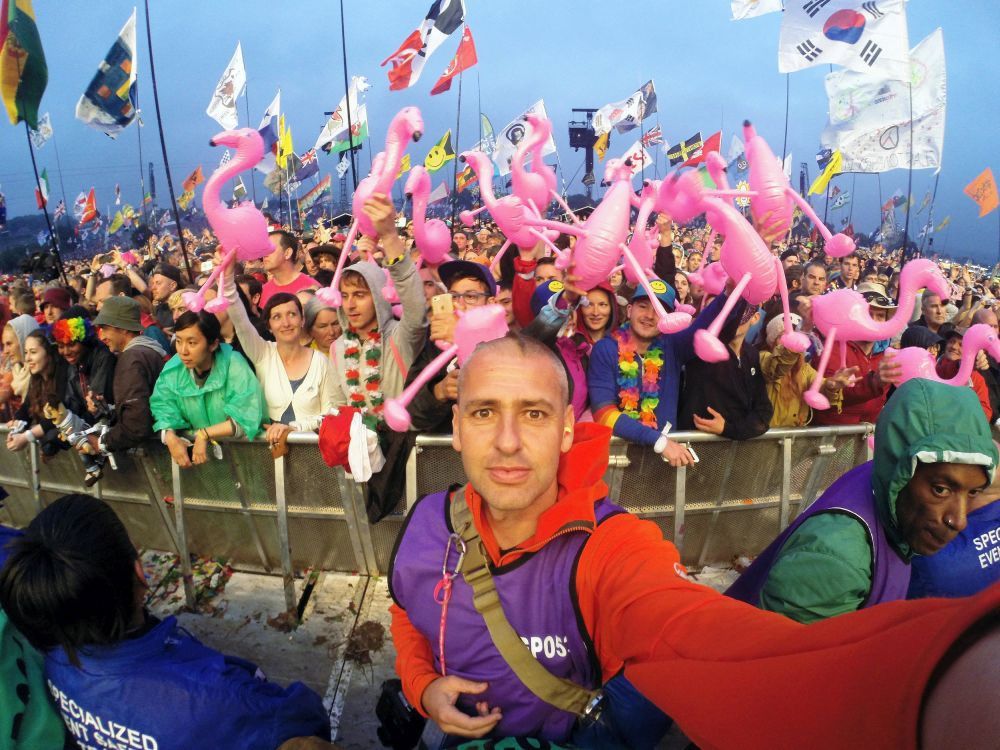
834, 558
139, 365
401, 340
22, 325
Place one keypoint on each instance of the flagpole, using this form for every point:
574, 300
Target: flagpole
347, 99
62, 187
909, 183
479, 96
930, 211
850, 214
142, 178
458, 126
784, 143
163, 146
45, 203
246, 102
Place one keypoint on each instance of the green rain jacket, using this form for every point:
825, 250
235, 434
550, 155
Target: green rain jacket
231, 390
825, 567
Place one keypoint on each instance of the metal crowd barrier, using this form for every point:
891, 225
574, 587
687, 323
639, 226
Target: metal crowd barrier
294, 513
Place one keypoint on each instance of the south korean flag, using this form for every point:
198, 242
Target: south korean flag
869, 37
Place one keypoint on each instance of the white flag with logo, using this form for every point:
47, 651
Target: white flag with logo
508, 138
336, 127
639, 157
342, 166
750, 8
626, 114
870, 115
222, 107
869, 37
44, 132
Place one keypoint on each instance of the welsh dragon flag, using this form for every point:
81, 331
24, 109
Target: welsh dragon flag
23, 72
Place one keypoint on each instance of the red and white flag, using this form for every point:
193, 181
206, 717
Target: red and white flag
465, 58
89, 209
712, 143
443, 18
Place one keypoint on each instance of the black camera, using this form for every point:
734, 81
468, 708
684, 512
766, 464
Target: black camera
400, 724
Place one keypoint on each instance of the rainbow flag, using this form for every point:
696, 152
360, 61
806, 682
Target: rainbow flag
23, 71
308, 200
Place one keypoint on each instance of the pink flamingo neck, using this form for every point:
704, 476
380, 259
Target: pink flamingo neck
418, 201
477, 161
239, 163
972, 343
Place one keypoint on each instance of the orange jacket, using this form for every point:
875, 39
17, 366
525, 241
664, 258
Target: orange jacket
731, 675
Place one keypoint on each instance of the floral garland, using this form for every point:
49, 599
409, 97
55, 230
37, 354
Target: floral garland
638, 404
364, 376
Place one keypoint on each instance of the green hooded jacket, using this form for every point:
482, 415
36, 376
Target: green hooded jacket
28, 718
825, 567
231, 390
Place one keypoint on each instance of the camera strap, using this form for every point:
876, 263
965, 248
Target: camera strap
556, 691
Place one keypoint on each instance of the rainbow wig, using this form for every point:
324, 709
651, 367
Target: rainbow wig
68, 330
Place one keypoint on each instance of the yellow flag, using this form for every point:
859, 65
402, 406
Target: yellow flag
601, 146
983, 190
441, 153
116, 223
404, 166
285, 148
832, 168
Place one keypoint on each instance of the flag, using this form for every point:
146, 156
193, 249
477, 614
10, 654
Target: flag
285, 147
116, 223
79, 205
738, 172
118, 194
465, 178
465, 58
60, 210
344, 164
108, 104
193, 180
152, 181
239, 190
23, 72
438, 194
653, 138
487, 144
310, 165
309, 199
944, 222
601, 145
925, 202
222, 106
869, 37
404, 166
983, 190
638, 156
268, 130
751, 8
510, 136
226, 156
147, 199
128, 213
185, 198
841, 200
333, 136
443, 18
89, 210
41, 136
440, 153
625, 115
692, 151
42, 192
736, 149
898, 198
869, 115
833, 167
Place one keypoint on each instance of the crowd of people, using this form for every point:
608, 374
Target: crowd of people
111, 357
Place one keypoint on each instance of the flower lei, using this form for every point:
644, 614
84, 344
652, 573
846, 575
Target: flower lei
364, 377
638, 404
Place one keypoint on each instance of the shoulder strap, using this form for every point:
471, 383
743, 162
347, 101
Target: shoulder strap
556, 691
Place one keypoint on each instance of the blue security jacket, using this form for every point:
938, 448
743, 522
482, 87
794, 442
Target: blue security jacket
166, 691
969, 563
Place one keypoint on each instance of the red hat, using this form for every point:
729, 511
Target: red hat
335, 436
57, 296
339, 237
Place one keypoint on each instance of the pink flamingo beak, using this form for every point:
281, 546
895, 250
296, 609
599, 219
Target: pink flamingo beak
229, 138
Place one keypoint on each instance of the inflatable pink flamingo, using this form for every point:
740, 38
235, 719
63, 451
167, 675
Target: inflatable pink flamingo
744, 257
510, 213
917, 362
643, 243
474, 326
536, 187
432, 236
843, 316
601, 242
405, 126
773, 201
242, 230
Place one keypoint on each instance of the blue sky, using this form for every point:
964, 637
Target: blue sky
710, 73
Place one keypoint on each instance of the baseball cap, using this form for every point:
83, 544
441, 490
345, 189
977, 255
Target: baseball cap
455, 268
663, 291
543, 293
171, 272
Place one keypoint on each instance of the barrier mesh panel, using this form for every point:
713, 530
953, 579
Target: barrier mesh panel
438, 467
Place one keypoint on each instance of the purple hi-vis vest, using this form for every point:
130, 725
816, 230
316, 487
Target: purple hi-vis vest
851, 494
538, 593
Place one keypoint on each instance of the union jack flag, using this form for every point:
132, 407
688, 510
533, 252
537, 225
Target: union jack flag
653, 138
308, 157
60, 210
